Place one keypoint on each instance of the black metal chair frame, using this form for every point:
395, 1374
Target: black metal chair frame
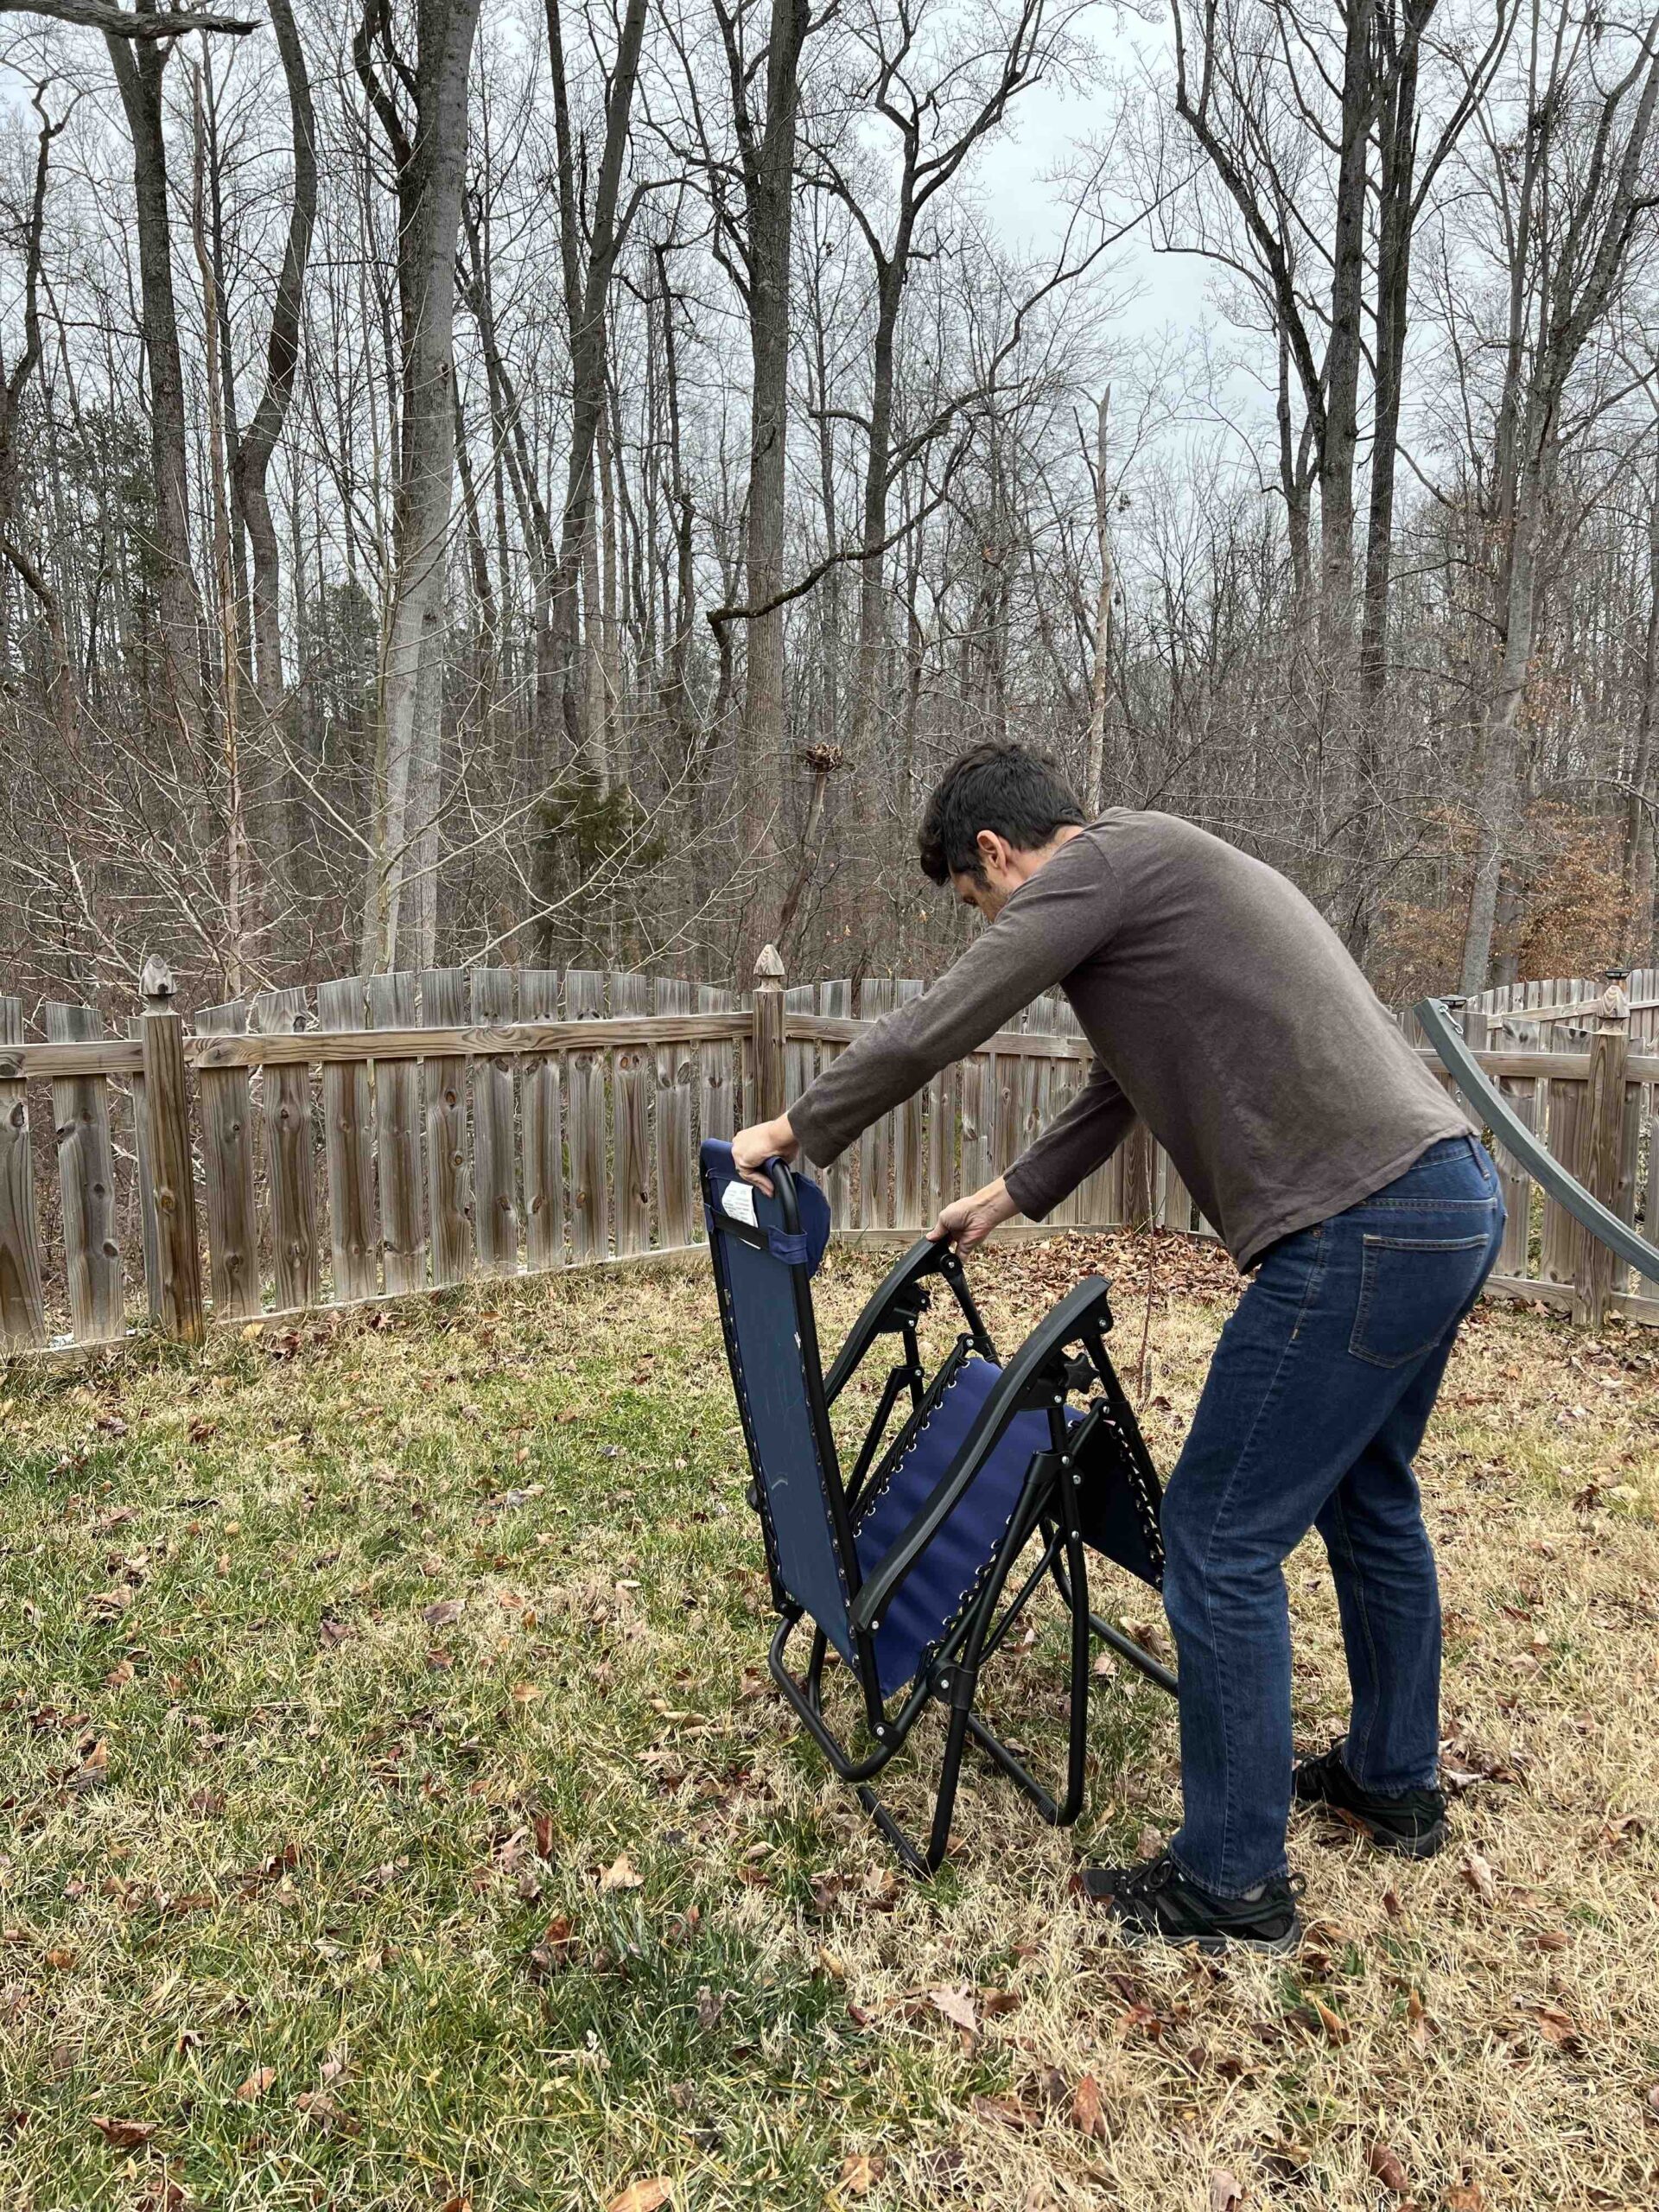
1040, 1377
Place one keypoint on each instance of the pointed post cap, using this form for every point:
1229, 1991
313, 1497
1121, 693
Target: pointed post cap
768, 967
155, 984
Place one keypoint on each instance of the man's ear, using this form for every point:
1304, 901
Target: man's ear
993, 850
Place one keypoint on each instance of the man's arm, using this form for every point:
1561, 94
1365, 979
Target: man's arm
1051, 924
1077, 1141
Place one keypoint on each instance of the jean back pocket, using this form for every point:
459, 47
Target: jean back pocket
1412, 1290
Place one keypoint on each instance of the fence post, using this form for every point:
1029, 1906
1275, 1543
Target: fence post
179, 1251
1604, 1138
771, 1088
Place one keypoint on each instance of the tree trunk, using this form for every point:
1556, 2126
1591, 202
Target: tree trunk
430, 167
138, 71
771, 197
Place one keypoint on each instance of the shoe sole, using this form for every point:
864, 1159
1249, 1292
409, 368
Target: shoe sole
1420, 1847
1136, 1938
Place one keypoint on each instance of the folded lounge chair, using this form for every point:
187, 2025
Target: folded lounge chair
900, 1566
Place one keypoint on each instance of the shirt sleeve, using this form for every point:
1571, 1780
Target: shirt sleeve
1079, 1139
1056, 920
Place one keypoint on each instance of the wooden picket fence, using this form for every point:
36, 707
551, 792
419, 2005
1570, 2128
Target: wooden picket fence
397, 1134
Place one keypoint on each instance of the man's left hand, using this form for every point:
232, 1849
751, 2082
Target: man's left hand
752, 1148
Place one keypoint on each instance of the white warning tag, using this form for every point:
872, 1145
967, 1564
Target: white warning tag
738, 1200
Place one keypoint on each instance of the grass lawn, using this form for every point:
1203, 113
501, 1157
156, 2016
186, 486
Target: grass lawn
397, 1814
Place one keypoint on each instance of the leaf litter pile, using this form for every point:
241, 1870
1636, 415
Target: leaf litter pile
398, 1811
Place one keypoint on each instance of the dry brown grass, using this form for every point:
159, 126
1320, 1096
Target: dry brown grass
753, 2022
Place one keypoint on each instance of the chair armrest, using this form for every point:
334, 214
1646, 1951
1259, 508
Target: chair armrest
924, 1258
1069, 1320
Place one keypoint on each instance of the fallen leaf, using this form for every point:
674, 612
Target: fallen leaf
1008, 2110
860, 2172
321, 2110
620, 1875
1558, 2027
256, 2085
709, 2007
1471, 2197
1384, 2162
1224, 2191
446, 1611
1477, 1873
1088, 2114
124, 2134
120, 1674
642, 2196
957, 2007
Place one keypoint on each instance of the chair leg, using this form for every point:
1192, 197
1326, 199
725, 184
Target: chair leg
1125, 1646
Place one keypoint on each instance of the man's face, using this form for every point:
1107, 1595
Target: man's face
1003, 870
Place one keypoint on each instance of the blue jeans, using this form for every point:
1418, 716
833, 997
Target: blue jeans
1318, 1397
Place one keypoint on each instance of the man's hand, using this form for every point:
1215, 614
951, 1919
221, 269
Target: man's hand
752, 1148
970, 1221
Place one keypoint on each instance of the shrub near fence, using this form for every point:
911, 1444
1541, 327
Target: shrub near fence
401, 1132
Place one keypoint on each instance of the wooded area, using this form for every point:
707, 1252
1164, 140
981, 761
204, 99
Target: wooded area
551, 487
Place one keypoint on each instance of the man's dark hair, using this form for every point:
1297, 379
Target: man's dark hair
1001, 788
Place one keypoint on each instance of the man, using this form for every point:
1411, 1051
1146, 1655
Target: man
1224, 1012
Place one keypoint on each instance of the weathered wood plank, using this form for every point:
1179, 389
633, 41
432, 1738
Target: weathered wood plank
585, 1069
833, 999
393, 1004
22, 1304
175, 1283
1514, 1257
676, 1162
975, 1166
495, 1181
944, 1129
717, 1065
290, 1167
876, 998
80, 1110
315, 1048
449, 1175
541, 1103
1568, 1137
632, 1070
348, 1147
800, 1054
150, 1234
909, 1160
227, 1163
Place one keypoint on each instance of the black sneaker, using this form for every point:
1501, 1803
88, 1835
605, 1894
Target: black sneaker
1155, 1903
1414, 1823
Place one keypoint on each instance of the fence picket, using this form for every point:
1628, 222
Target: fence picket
909, 1160
227, 1102
398, 1117
80, 1109
449, 1179
348, 1147
876, 998
22, 1304
676, 1162
540, 1087
290, 1165
589, 1184
833, 999
150, 1231
632, 1072
495, 1180
716, 1099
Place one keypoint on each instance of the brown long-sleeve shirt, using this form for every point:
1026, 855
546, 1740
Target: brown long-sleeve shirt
1221, 1007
